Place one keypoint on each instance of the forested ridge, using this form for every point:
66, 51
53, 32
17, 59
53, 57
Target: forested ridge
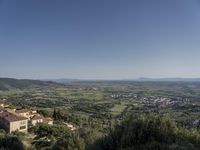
10, 83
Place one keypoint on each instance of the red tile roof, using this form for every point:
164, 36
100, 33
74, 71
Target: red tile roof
22, 111
11, 117
37, 117
47, 119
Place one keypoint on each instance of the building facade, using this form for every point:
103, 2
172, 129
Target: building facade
11, 122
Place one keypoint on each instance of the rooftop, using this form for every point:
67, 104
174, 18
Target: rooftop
37, 117
10, 117
22, 110
47, 119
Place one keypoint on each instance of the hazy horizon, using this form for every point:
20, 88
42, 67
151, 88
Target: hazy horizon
111, 79
109, 40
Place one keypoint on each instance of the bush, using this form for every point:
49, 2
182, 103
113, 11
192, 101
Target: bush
11, 143
149, 132
70, 142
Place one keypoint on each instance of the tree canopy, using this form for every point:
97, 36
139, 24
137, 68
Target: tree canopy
149, 132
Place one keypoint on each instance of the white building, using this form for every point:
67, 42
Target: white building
11, 122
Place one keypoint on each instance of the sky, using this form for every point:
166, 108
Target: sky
99, 39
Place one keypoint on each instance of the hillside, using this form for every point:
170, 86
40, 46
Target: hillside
10, 83
149, 132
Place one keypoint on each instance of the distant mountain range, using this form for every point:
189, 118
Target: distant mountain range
170, 79
138, 80
10, 83
63, 80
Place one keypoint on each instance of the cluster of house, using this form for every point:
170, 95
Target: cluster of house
165, 101
123, 95
18, 119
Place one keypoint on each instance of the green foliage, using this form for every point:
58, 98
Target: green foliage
70, 142
11, 143
2, 133
45, 112
149, 132
90, 135
44, 130
18, 134
47, 135
57, 115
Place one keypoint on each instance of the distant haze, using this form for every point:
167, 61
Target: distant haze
99, 39
126, 80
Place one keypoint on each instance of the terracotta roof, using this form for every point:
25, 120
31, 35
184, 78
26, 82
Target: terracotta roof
47, 119
33, 113
11, 117
37, 117
22, 111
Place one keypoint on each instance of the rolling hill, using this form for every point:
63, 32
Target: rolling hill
10, 83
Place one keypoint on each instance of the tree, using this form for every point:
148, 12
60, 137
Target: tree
90, 135
45, 113
11, 143
149, 132
70, 142
47, 135
57, 115
2, 133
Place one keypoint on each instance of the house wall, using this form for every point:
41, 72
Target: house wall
50, 122
34, 122
21, 126
24, 114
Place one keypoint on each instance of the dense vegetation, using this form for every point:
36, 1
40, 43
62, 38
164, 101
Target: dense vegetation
10, 141
149, 132
144, 132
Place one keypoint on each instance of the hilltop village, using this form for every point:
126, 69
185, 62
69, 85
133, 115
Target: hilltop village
20, 119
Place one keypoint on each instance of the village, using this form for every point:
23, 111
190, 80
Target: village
12, 119
154, 101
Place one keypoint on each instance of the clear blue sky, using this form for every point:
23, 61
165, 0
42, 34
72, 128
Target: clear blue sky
99, 39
